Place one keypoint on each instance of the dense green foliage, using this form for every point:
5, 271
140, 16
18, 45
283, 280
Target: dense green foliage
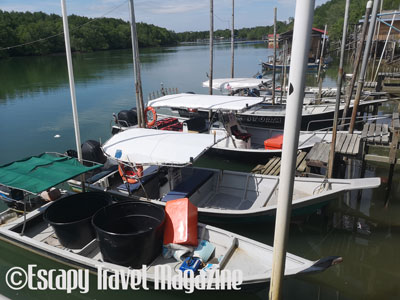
332, 14
255, 33
100, 34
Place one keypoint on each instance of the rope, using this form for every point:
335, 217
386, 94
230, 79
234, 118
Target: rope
62, 33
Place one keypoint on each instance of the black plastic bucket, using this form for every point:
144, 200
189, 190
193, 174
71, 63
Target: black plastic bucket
130, 233
71, 217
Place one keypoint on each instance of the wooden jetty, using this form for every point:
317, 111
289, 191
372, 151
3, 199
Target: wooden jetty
355, 146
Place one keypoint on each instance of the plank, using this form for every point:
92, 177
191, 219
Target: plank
365, 130
396, 121
312, 152
378, 158
258, 169
350, 148
356, 148
300, 158
371, 132
378, 131
385, 134
302, 167
346, 144
276, 168
276, 161
339, 141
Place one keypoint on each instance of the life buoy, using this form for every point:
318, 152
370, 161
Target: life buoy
129, 175
153, 111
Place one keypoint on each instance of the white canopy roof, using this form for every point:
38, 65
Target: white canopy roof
157, 147
236, 83
206, 102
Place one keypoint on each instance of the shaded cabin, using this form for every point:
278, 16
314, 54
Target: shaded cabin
381, 34
271, 41
317, 36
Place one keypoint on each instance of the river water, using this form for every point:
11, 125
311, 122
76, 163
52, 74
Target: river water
35, 107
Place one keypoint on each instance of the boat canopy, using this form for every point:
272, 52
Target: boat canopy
236, 83
206, 102
36, 174
157, 147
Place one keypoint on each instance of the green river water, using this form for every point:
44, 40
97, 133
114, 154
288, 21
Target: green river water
35, 106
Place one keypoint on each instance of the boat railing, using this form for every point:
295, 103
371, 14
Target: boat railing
360, 119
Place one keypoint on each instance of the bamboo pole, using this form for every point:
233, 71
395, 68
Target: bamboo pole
356, 62
233, 41
361, 79
384, 48
274, 63
339, 88
301, 46
210, 76
320, 66
136, 68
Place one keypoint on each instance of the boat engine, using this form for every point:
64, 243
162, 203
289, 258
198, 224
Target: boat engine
127, 118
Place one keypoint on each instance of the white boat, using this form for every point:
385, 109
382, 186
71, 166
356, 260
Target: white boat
233, 84
220, 195
256, 111
30, 231
253, 259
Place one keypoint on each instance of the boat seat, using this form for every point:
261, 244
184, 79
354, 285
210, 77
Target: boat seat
196, 124
148, 174
102, 174
188, 186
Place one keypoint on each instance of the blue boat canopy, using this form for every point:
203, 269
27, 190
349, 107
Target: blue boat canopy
36, 174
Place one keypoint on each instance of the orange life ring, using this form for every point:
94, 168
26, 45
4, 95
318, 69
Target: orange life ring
129, 175
153, 111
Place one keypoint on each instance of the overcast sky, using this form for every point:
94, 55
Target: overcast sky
177, 15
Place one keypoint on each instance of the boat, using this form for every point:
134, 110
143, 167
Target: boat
235, 85
167, 159
256, 111
267, 66
236, 141
31, 231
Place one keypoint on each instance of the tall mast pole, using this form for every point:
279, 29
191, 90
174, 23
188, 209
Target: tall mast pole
71, 80
361, 78
274, 63
298, 65
136, 68
210, 76
338, 91
233, 41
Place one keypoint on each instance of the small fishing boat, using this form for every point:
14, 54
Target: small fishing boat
257, 111
162, 171
62, 230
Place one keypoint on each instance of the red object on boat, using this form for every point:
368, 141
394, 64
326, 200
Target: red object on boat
181, 222
274, 143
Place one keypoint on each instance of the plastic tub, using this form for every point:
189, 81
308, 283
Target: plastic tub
130, 233
71, 217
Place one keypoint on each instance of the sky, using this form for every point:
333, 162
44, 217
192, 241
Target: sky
177, 15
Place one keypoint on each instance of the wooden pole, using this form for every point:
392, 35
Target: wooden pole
339, 88
356, 62
136, 68
301, 46
361, 79
320, 65
274, 63
210, 76
233, 41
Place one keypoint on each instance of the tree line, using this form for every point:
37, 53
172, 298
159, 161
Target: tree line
102, 34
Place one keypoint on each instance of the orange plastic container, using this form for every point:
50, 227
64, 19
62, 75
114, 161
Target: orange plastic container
181, 222
274, 143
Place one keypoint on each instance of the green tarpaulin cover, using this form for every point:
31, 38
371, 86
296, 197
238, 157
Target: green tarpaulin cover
39, 173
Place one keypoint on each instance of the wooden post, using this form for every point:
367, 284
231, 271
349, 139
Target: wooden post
361, 79
320, 66
331, 160
210, 76
356, 62
274, 63
233, 41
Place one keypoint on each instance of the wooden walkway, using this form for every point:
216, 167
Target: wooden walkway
273, 166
